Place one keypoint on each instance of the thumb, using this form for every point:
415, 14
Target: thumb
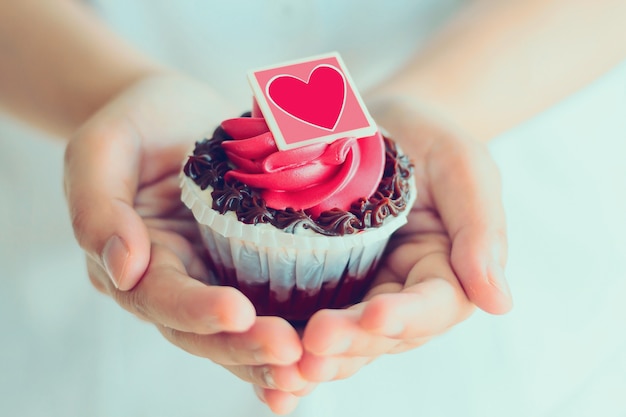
467, 193
101, 177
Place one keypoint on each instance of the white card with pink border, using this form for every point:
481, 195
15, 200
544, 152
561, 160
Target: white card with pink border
309, 101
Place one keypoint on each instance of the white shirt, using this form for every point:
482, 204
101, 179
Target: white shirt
219, 41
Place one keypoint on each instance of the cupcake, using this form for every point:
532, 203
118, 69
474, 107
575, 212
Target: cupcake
295, 230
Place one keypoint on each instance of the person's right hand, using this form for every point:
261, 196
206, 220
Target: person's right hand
448, 259
122, 185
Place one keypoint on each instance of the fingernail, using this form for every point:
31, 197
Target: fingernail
504, 287
268, 378
495, 271
499, 280
115, 256
259, 393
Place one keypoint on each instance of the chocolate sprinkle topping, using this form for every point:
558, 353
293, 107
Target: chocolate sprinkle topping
208, 164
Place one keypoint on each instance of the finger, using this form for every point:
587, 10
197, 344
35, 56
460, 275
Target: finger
330, 332
278, 401
318, 368
310, 387
94, 271
168, 296
466, 192
101, 176
331, 368
339, 333
270, 340
432, 299
431, 302
423, 310
285, 378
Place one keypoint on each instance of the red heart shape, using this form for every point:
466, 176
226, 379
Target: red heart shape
319, 101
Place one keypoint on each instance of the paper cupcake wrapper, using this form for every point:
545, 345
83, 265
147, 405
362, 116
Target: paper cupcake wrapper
292, 282
287, 274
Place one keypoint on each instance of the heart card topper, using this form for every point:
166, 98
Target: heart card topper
308, 101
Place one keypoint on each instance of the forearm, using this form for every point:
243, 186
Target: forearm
501, 61
58, 63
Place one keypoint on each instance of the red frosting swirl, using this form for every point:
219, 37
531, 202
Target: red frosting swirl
314, 178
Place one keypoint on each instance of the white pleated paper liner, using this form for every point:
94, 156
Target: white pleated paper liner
285, 274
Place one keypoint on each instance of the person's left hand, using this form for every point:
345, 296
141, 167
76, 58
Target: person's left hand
449, 258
